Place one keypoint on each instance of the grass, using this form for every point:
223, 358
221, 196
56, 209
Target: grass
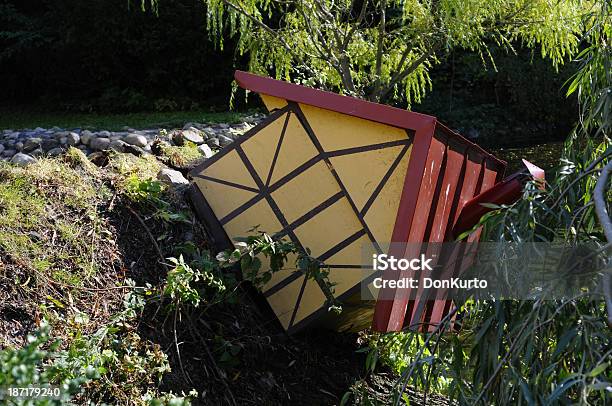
48, 218
19, 119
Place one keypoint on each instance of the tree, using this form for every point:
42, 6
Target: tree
381, 50
542, 351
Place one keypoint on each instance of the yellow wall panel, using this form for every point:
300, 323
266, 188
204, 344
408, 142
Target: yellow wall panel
312, 299
221, 198
283, 302
260, 148
286, 271
230, 168
306, 191
362, 172
353, 254
295, 150
260, 214
346, 278
272, 102
328, 228
381, 216
339, 131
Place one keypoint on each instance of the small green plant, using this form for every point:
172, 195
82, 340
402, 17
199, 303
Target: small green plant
248, 250
150, 194
189, 284
33, 365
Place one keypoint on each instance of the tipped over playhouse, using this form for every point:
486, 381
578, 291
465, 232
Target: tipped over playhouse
333, 174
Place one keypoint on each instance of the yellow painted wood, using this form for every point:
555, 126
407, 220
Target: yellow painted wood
272, 102
362, 172
221, 198
306, 191
286, 271
230, 168
328, 228
340, 131
346, 278
283, 302
260, 214
295, 150
260, 148
353, 254
312, 300
381, 216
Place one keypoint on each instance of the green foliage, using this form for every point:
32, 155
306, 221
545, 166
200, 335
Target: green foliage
110, 56
183, 278
149, 194
30, 365
249, 250
536, 351
46, 210
383, 50
12, 118
112, 364
517, 101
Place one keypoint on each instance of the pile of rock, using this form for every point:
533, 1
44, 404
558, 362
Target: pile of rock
22, 147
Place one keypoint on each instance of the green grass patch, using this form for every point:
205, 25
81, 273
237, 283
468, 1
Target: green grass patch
114, 122
49, 218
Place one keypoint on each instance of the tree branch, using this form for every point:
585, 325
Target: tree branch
384, 92
379, 46
604, 219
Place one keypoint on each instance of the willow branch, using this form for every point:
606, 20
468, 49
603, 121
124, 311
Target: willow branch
604, 219
238, 9
379, 46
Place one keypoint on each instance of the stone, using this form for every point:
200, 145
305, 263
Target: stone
1, 148
192, 135
31, 144
55, 151
224, 141
59, 134
135, 150
136, 139
73, 139
86, 136
49, 144
8, 153
63, 141
18, 146
37, 152
205, 150
172, 177
20, 159
104, 134
118, 145
208, 132
213, 143
99, 144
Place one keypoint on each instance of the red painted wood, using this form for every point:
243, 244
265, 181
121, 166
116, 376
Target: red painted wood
441, 212
417, 228
405, 215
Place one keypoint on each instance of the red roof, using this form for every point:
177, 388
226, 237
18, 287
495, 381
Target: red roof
351, 106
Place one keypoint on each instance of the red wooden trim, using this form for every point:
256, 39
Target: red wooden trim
332, 101
499, 165
505, 192
405, 214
